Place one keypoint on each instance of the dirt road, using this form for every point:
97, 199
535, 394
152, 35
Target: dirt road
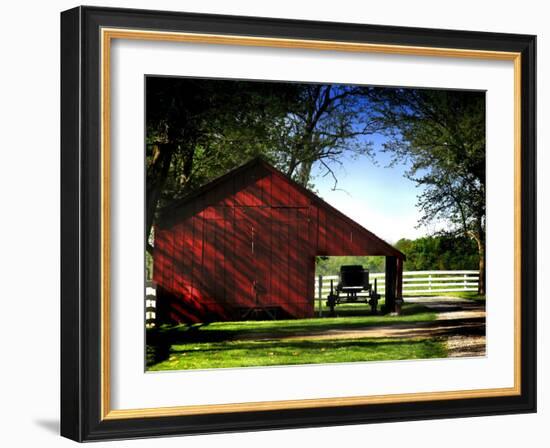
460, 322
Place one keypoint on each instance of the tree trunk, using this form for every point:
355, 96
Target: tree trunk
304, 173
157, 172
480, 240
291, 166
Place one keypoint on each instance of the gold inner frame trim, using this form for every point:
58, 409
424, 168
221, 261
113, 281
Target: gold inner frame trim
107, 35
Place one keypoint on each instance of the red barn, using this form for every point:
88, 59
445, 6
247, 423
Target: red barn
249, 239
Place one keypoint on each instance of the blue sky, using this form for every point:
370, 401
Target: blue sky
381, 199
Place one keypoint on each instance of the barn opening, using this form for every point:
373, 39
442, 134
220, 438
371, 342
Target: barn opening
357, 282
247, 243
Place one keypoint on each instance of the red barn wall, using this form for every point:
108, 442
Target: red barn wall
250, 240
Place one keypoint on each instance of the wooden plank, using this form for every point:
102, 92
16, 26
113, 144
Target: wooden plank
239, 196
222, 192
209, 261
390, 286
254, 187
296, 197
208, 299
211, 197
159, 275
158, 257
264, 183
229, 256
295, 291
229, 189
197, 260
304, 273
322, 229
213, 212
285, 252
242, 266
280, 263
185, 258
219, 261
169, 264
261, 255
280, 192
399, 281
247, 191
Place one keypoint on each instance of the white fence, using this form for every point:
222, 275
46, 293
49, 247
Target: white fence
414, 282
150, 304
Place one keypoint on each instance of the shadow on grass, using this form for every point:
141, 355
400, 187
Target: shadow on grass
298, 345
266, 353
160, 341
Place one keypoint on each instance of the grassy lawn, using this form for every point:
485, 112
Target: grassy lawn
469, 295
273, 353
256, 343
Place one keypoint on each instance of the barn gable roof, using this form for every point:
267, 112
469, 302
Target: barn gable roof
167, 212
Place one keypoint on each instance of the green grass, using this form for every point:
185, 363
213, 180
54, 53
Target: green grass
274, 353
219, 331
469, 295
256, 343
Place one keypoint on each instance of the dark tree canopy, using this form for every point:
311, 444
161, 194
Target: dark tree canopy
198, 129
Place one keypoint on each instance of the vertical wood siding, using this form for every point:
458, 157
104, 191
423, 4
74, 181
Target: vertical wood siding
250, 240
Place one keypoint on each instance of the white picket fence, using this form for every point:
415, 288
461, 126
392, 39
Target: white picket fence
414, 282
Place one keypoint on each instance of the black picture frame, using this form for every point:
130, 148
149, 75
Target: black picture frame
81, 208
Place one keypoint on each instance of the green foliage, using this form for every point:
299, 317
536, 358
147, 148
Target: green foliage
276, 353
210, 127
263, 343
441, 133
439, 253
331, 265
199, 129
432, 253
148, 266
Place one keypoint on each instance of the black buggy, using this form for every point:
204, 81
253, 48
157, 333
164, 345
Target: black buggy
354, 280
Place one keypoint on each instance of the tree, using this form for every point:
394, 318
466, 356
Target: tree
331, 265
324, 125
198, 129
439, 253
442, 135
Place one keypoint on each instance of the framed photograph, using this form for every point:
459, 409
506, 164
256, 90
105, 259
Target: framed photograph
273, 223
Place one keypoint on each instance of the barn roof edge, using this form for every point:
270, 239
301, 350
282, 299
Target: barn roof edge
263, 161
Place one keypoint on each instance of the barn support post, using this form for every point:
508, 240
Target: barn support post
391, 283
320, 295
162, 307
399, 285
